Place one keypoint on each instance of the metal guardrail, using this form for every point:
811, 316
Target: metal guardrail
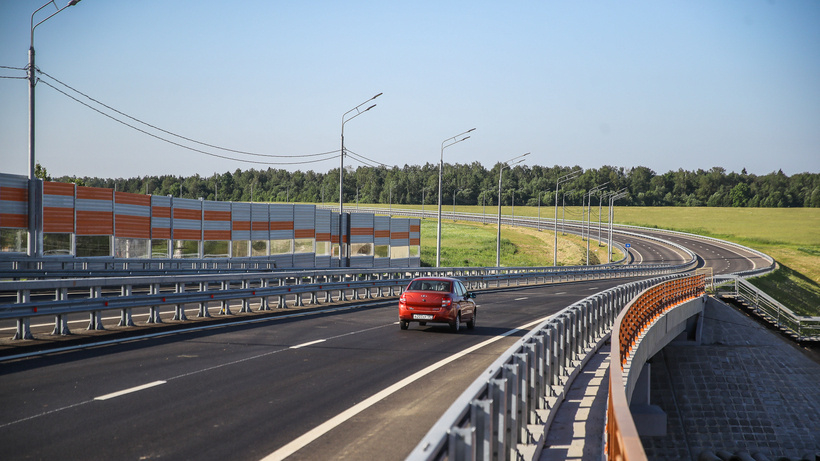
24, 267
60, 297
504, 414
799, 327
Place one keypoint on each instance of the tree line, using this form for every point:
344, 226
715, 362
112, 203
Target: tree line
473, 184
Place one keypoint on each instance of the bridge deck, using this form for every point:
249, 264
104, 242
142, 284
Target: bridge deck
745, 388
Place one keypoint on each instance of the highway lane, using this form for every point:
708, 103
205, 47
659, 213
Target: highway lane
245, 392
720, 257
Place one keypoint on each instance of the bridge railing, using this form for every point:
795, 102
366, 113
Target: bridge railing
623, 441
799, 327
504, 414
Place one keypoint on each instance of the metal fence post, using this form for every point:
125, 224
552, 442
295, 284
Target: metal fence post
203, 305
481, 415
179, 309
461, 444
126, 320
497, 390
24, 323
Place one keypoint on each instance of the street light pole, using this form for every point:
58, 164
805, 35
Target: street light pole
589, 213
453, 140
423, 189
508, 164
35, 247
615, 196
558, 181
390, 206
455, 193
346, 119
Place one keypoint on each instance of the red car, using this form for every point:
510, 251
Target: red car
437, 300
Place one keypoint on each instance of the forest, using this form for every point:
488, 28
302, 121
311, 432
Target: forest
473, 184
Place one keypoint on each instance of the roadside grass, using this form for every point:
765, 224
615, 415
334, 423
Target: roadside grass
791, 289
467, 244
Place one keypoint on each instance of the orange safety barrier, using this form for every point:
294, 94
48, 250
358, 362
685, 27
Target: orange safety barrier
623, 441
653, 303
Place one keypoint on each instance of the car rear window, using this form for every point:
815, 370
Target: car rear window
430, 285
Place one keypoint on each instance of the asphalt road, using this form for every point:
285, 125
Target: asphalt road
344, 385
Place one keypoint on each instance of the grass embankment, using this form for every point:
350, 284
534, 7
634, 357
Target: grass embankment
474, 245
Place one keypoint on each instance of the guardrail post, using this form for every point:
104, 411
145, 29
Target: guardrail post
263, 301
511, 374
328, 296
497, 390
298, 300
534, 389
95, 319
522, 362
481, 416
356, 290
60, 320
203, 305
461, 444
314, 295
559, 352
126, 320
539, 379
225, 306
24, 323
572, 338
342, 295
246, 301
281, 302
153, 311
179, 309
549, 362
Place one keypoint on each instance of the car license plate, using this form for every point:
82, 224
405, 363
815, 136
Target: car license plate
422, 317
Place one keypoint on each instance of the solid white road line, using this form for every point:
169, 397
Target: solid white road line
337, 420
128, 391
308, 344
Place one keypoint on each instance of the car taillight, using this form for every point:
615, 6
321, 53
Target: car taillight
446, 301
402, 299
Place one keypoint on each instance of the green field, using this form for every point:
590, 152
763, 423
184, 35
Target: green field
465, 244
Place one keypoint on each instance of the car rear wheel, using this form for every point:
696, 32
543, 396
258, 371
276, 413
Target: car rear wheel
471, 322
456, 325
403, 324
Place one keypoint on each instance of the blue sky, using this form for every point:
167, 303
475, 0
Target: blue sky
660, 84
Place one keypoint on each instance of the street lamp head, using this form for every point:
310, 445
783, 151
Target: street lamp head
73, 2
369, 108
471, 129
374, 97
